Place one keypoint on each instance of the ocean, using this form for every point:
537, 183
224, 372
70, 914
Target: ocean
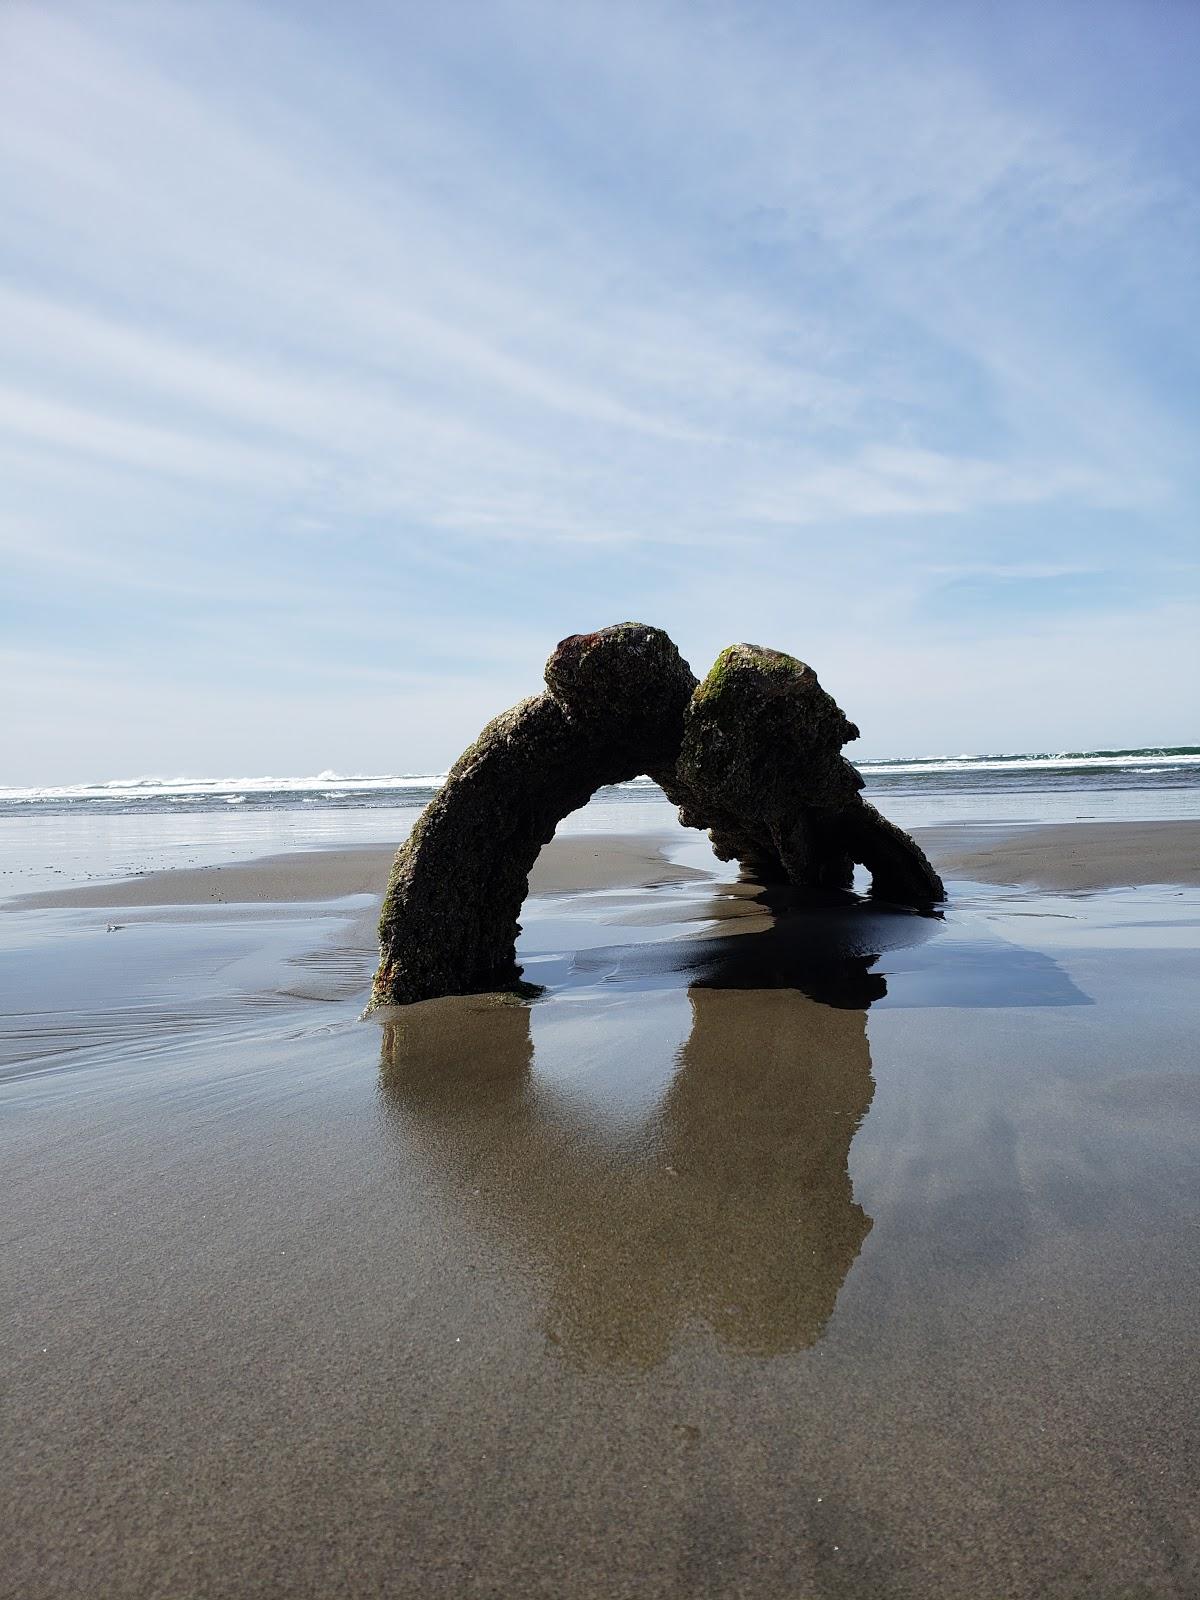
1083, 772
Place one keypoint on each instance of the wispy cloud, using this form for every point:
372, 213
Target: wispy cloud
389, 324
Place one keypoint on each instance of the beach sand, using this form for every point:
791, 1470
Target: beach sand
1075, 855
854, 1255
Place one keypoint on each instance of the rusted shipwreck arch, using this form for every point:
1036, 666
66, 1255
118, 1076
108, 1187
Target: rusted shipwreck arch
753, 754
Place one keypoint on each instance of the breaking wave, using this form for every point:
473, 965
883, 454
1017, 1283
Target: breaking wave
1165, 766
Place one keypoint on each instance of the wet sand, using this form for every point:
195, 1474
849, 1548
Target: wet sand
852, 1256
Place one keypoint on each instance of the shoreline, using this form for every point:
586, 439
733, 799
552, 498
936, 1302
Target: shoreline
1077, 856
572, 864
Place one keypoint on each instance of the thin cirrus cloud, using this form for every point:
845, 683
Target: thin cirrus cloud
329, 339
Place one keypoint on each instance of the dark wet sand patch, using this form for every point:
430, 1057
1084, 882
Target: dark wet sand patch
1070, 855
571, 863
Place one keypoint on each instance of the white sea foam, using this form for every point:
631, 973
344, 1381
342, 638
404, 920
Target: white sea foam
1144, 761
186, 788
1170, 765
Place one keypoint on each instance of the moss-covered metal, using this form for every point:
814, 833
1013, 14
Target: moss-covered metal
761, 768
613, 708
752, 754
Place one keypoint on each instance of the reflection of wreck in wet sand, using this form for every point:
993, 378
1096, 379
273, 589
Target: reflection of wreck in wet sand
731, 1205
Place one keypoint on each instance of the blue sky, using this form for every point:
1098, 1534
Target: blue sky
351, 355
